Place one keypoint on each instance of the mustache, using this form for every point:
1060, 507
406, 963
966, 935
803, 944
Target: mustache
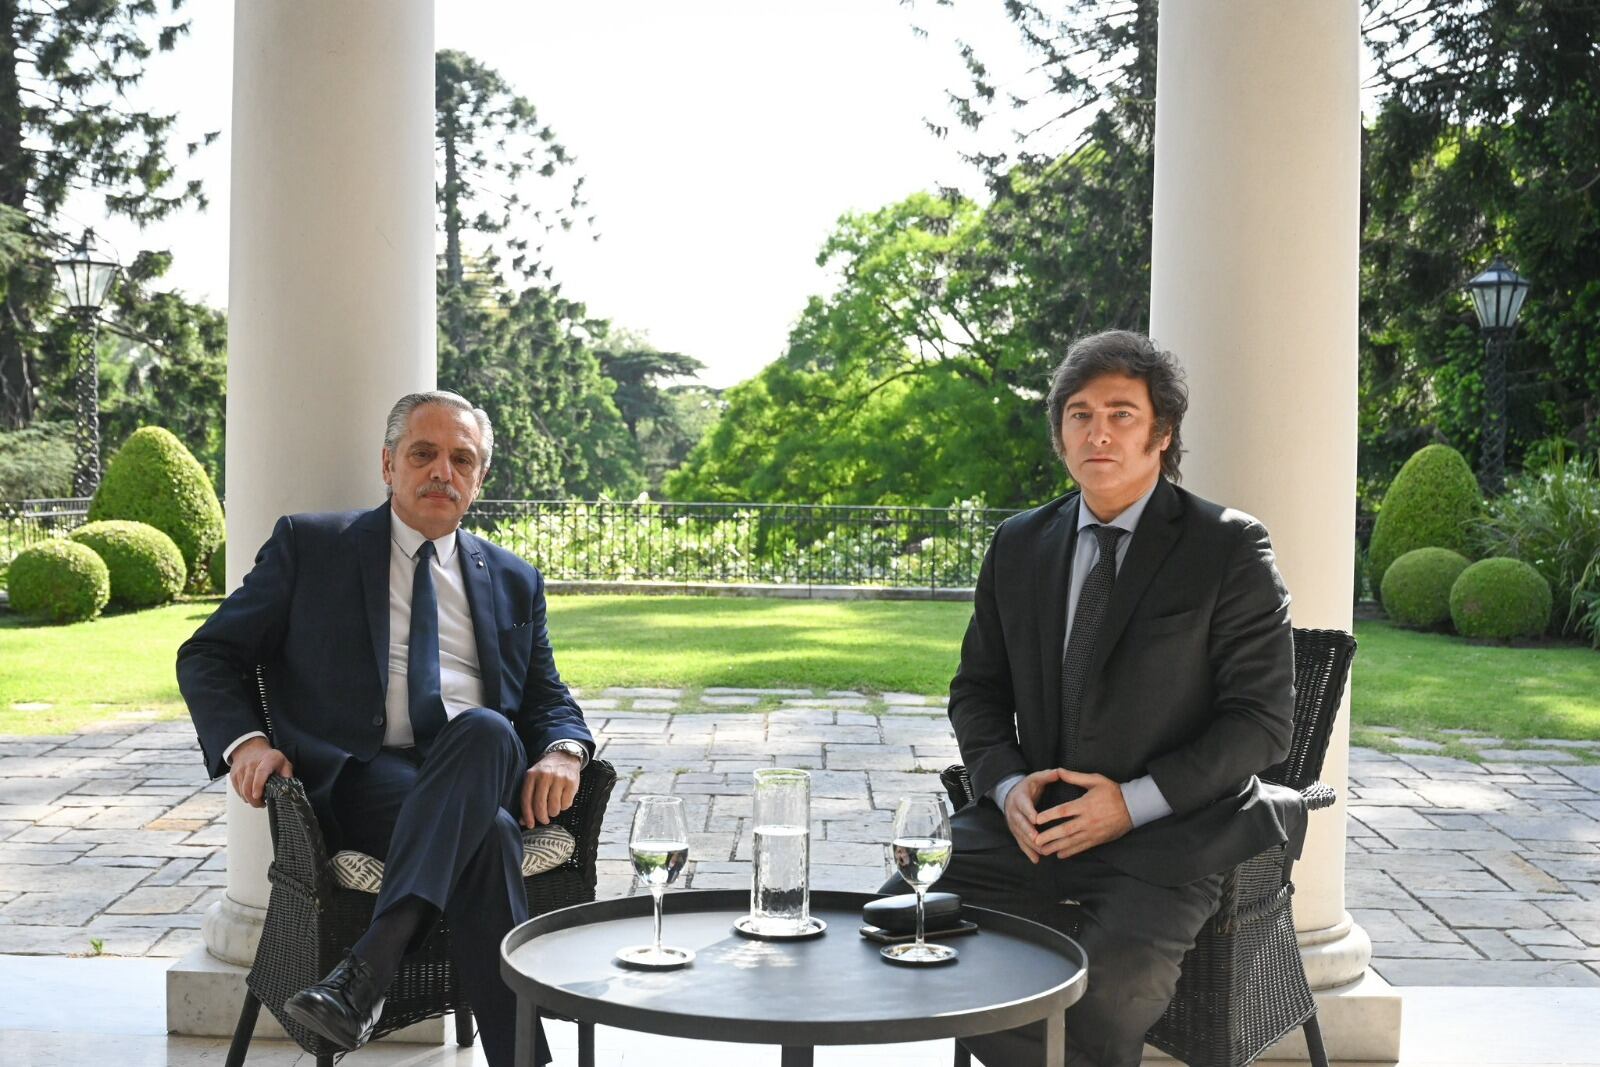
439, 487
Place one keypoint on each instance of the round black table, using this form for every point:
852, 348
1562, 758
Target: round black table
831, 990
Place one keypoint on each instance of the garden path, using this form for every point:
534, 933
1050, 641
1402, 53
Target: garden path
1463, 873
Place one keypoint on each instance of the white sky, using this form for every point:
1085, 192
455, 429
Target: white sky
721, 140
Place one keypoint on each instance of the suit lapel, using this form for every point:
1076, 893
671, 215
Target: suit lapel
480, 598
372, 546
1054, 571
1158, 531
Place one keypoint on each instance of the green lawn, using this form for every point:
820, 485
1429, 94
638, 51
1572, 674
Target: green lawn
89, 670
1425, 682
1422, 683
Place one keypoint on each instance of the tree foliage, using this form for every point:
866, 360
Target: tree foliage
64, 127
1487, 141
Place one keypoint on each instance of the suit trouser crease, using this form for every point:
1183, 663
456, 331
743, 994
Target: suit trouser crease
1134, 933
443, 825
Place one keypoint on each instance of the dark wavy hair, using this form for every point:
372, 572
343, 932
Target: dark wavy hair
1135, 355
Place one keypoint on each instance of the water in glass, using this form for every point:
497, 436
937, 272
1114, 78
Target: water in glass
659, 846
922, 850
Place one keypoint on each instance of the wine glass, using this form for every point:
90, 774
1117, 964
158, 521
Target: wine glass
922, 850
659, 847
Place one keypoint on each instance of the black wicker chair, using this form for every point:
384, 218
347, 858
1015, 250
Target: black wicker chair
311, 920
1243, 986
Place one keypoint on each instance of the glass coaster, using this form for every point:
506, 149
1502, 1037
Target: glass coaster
646, 958
745, 927
911, 954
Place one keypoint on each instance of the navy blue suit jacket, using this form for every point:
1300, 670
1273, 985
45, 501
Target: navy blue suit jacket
314, 614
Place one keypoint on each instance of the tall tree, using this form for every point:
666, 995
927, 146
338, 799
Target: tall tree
490, 142
65, 127
1487, 141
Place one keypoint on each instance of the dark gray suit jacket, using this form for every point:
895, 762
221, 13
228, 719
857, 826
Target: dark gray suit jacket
1192, 680
314, 613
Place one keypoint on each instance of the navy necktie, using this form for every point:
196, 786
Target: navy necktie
424, 696
1093, 599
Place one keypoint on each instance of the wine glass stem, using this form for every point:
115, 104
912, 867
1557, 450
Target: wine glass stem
920, 891
655, 892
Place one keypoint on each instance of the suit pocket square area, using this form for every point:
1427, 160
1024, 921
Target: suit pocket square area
514, 627
1166, 624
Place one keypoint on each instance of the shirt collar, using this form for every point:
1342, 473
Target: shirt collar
410, 540
1128, 520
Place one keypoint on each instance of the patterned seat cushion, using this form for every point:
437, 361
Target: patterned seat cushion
543, 848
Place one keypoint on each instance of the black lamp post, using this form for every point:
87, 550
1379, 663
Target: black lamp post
1497, 294
85, 281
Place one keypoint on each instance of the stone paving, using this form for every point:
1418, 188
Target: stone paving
1462, 872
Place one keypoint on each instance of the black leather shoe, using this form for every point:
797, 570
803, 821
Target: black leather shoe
343, 1007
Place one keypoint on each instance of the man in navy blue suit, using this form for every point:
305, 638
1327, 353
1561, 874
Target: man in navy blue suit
414, 691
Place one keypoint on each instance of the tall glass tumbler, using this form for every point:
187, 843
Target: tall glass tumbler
780, 886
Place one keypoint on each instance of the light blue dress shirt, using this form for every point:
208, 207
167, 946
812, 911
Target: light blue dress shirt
1142, 796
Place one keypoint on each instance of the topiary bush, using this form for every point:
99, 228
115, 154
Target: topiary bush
1416, 589
217, 568
1429, 505
1500, 598
153, 479
59, 581
146, 567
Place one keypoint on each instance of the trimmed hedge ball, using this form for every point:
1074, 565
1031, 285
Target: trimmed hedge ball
153, 478
1500, 598
59, 581
1428, 505
217, 568
1416, 588
145, 564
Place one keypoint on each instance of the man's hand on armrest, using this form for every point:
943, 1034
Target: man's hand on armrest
253, 763
549, 787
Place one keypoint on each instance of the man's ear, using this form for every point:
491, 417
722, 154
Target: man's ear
386, 462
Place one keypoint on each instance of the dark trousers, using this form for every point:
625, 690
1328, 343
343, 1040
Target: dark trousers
1134, 933
443, 825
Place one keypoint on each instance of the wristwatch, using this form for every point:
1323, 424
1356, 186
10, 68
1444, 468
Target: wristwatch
572, 748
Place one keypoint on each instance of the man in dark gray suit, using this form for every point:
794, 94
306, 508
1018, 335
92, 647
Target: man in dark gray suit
1127, 672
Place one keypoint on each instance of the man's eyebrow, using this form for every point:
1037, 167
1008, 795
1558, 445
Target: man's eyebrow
1110, 404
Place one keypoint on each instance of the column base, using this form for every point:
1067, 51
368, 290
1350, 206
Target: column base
232, 931
1336, 955
204, 996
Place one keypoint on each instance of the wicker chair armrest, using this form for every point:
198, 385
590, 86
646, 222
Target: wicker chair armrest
299, 851
588, 811
1318, 796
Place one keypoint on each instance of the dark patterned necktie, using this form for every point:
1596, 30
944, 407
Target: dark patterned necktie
1093, 599
424, 697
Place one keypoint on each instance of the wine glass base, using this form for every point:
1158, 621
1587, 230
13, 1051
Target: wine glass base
911, 954
649, 958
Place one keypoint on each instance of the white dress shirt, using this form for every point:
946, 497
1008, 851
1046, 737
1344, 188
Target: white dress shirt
459, 681
1142, 796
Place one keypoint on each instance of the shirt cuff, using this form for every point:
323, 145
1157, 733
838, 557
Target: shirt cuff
1144, 801
583, 756
1003, 789
227, 753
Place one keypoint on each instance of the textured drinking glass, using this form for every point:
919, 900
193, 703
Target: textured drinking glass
922, 851
659, 847
780, 883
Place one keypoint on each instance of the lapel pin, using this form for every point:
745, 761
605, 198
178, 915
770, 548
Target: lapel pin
480, 562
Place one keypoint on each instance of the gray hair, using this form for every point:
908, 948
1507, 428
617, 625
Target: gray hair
400, 418
1134, 355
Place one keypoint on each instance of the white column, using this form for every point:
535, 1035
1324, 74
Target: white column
330, 295
1254, 285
